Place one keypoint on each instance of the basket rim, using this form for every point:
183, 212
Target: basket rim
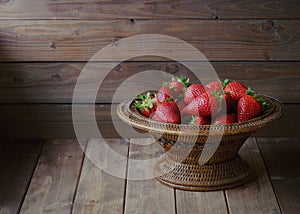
128, 113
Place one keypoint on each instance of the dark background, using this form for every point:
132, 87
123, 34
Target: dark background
45, 44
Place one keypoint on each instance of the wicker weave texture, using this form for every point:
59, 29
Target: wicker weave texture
184, 144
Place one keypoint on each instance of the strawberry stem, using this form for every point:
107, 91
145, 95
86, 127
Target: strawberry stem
264, 102
218, 96
251, 92
226, 82
145, 101
185, 81
165, 84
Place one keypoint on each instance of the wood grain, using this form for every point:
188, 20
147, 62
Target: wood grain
55, 121
18, 160
281, 156
55, 82
146, 196
53, 184
159, 9
98, 191
257, 196
200, 202
66, 40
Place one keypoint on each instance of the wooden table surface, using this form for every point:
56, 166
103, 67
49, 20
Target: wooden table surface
55, 176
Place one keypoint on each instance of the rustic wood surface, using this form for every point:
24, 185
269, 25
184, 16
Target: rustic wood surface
99, 192
54, 181
55, 82
65, 40
282, 160
200, 202
55, 121
147, 195
159, 9
18, 161
257, 196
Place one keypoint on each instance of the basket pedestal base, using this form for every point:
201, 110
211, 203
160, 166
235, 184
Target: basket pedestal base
207, 177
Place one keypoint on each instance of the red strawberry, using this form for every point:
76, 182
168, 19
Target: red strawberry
226, 119
228, 101
177, 85
204, 105
164, 94
236, 89
217, 86
193, 91
248, 107
155, 117
199, 121
146, 104
167, 112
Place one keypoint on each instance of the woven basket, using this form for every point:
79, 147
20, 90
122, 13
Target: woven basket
181, 165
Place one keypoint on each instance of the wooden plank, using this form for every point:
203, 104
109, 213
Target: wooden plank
52, 121
98, 191
55, 82
55, 121
257, 196
285, 127
18, 160
200, 202
54, 181
234, 40
146, 196
281, 156
159, 9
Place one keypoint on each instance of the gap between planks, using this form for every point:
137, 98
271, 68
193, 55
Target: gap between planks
79, 175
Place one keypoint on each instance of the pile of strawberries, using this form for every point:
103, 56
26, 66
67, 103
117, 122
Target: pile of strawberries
178, 101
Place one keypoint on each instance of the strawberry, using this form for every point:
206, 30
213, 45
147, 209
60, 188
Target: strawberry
178, 84
176, 87
167, 112
193, 91
155, 117
248, 107
185, 81
204, 105
199, 121
226, 119
214, 86
236, 89
146, 104
164, 94
228, 101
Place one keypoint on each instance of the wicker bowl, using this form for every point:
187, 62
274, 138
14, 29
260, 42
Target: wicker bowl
181, 165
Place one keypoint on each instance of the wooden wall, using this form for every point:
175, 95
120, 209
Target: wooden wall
44, 45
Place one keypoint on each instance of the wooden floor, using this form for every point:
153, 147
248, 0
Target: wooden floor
54, 176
